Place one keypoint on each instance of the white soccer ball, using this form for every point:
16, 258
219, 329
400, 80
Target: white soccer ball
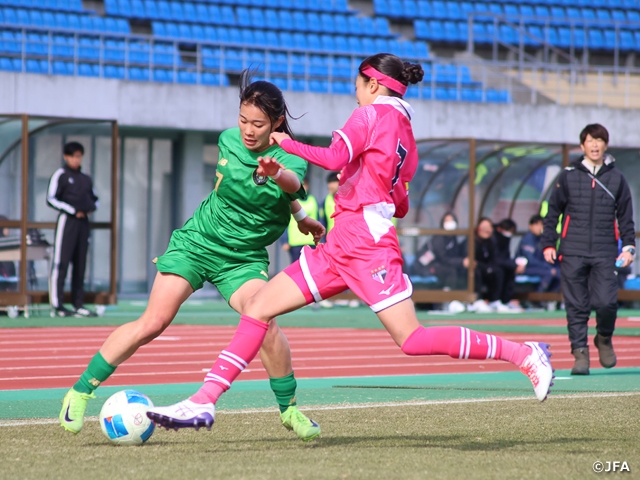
124, 420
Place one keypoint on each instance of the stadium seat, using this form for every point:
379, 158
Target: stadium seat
318, 86
114, 50
10, 64
113, 71
89, 48
35, 44
62, 46
62, 68
138, 74
233, 60
280, 82
162, 75
37, 66
341, 24
214, 79
139, 52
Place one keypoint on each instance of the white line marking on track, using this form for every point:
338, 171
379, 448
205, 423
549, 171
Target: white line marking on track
355, 406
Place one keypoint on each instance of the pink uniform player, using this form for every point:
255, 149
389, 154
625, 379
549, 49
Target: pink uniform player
377, 155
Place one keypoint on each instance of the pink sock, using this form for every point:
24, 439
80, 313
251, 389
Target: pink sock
243, 348
461, 342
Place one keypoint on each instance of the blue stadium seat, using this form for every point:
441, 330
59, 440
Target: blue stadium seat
73, 21
203, 13
211, 57
454, 10
227, 16
285, 21
355, 45
37, 66
163, 54
138, 74
172, 30
36, 44
89, 48
633, 16
618, 15
215, 15
318, 86
381, 7
162, 75
298, 85
139, 52
497, 96
11, 64
159, 29
381, 26
62, 46
280, 82
328, 43
319, 65
276, 63
86, 23
111, 7
62, 68
137, 9
98, 24
112, 71
422, 51
300, 41
233, 60
368, 46
382, 44
300, 21
340, 88
451, 33
184, 30
511, 10
190, 13
35, 18
285, 39
355, 27
197, 33
243, 18
211, 33
596, 39
342, 25
114, 50
588, 14
214, 79
313, 42
627, 41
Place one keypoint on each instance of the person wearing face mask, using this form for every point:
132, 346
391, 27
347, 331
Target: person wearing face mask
502, 236
594, 199
449, 261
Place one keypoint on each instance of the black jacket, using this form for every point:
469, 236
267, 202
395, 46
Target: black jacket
503, 251
447, 250
71, 191
486, 257
589, 227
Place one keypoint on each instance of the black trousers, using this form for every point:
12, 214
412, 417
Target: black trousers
70, 246
589, 283
494, 282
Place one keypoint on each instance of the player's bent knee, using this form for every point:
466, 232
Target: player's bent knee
151, 326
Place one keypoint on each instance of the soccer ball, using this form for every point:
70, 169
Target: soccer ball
124, 420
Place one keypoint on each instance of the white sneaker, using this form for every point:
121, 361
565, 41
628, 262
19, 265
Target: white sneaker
456, 307
480, 306
354, 303
499, 307
184, 414
537, 366
326, 304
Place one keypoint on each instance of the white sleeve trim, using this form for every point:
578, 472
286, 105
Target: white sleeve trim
347, 141
51, 194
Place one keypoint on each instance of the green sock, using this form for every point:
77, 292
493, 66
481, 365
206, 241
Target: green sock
97, 372
285, 390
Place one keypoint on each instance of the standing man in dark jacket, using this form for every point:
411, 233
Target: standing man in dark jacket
71, 193
595, 201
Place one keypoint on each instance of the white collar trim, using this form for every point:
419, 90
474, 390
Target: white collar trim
397, 103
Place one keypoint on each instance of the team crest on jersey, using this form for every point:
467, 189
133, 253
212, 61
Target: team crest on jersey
258, 179
379, 274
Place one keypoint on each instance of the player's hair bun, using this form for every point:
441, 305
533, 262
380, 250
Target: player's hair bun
412, 73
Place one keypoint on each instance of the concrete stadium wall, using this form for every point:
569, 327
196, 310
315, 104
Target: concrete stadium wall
209, 108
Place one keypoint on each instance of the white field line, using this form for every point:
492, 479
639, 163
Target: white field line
356, 406
298, 359
296, 351
297, 368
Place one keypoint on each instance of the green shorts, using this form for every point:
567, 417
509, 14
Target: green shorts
197, 260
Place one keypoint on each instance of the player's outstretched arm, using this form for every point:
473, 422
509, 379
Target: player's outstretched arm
334, 157
306, 224
285, 179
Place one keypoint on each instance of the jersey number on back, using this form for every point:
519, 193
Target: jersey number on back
402, 153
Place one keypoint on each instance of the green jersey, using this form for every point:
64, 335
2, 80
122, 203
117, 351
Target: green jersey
246, 211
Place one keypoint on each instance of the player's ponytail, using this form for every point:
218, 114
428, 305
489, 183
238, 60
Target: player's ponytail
392, 66
268, 98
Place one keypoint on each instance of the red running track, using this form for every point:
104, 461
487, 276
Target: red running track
55, 357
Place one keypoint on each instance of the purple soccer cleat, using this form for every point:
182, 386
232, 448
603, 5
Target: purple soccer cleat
185, 414
537, 366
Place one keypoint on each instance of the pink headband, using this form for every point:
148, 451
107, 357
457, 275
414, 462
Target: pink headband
385, 80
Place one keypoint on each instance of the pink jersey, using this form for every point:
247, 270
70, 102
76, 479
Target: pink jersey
376, 153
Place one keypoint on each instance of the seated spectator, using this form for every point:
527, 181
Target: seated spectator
7, 269
494, 275
536, 264
502, 235
445, 257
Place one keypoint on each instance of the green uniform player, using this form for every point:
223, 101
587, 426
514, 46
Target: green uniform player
223, 243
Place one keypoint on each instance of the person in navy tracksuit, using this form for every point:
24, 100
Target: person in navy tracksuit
71, 193
537, 266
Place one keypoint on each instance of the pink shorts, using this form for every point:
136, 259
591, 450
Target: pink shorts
361, 254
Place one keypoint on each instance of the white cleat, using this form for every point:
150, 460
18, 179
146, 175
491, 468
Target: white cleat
185, 414
537, 366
